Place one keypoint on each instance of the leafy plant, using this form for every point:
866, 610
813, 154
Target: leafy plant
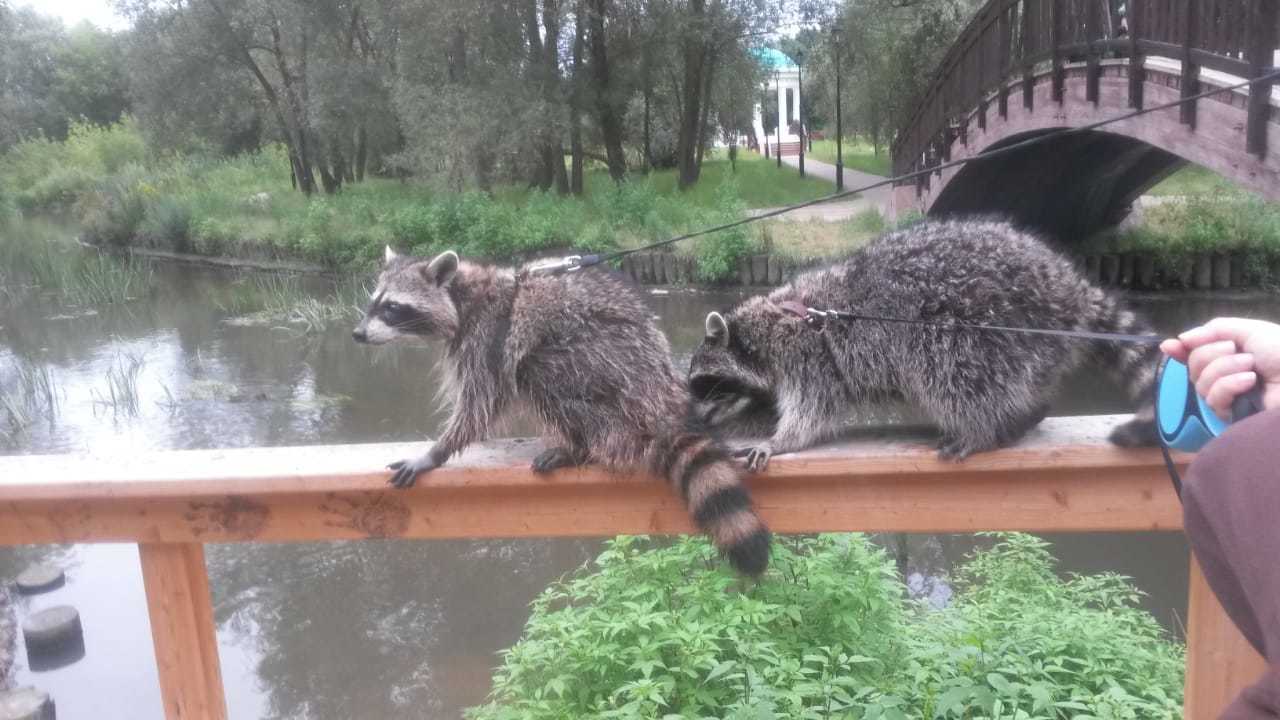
664, 631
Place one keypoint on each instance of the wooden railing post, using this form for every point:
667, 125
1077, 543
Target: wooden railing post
1190, 75
1093, 34
182, 630
1030, 28
1056, 30
1262, 42
1220, 662
1137, 73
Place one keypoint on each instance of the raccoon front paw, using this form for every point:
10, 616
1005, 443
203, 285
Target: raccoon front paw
953, 449
553, 458
407, 471
757, 457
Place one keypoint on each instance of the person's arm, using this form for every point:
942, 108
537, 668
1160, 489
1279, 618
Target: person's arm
1226, 356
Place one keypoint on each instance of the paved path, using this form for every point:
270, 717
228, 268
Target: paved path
841, 209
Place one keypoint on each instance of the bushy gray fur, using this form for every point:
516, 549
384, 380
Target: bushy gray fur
765, 367
581, 352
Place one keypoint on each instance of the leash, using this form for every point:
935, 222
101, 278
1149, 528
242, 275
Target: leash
573, 263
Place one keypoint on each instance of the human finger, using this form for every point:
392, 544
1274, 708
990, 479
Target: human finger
1201, 356
1220, 368
1225, 390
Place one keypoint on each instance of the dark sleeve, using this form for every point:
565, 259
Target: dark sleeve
1231, 508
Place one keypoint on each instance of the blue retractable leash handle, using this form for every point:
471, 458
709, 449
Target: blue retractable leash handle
1183, 419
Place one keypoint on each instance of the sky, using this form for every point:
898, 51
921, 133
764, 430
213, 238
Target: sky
98, 12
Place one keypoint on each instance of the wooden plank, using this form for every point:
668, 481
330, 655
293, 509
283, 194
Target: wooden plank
182, 630
1064, 477
1220, 662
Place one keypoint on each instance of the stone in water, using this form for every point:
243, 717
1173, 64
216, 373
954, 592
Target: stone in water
52, 628
26, 703
40, 578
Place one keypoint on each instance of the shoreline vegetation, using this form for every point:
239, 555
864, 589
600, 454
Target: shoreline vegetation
122, 195
242, 208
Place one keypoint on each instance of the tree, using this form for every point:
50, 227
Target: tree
319, 68
49, 76
889, 53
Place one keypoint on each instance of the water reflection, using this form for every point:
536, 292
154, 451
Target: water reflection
374, 628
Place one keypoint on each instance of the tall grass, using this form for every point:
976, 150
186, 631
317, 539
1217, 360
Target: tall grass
121, 393
1228, 221
48, 260
281, 300
27, 393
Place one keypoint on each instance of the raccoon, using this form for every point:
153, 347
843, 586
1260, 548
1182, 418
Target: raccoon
764, 368
580, 352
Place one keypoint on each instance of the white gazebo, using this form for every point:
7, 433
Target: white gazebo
783, 79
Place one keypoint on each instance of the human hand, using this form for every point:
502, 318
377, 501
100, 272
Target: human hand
1226, 356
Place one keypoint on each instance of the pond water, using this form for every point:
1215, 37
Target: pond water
375, 628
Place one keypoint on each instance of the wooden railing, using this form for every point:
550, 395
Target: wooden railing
1064, 477
999, 51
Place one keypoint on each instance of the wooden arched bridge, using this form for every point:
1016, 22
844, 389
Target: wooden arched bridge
1028, 67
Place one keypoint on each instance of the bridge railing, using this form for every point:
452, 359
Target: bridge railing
1063, 477
1011, 43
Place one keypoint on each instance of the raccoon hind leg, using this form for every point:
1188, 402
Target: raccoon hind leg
964, 436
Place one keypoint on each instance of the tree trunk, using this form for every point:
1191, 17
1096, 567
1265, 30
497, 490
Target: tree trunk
690, 110
362, 152
646, 71
575, 104
606, 105
551, 86
707, 80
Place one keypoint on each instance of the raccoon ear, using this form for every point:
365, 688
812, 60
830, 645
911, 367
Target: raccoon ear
717, 329
390, 255
442, 268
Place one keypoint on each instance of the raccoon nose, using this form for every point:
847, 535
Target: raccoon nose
359, 335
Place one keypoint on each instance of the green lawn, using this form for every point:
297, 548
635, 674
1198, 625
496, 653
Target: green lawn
1191, 180
858, 154
760, 183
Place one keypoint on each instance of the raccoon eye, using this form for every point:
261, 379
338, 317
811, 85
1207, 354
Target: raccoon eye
391, 306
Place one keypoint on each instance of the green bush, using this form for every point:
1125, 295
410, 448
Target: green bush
717, 254
1230, 221
46, 175
909, 218
868, 221
114, 211
667, 632
167, 223
8, 208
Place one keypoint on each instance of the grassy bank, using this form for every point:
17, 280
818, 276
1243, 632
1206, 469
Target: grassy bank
1226, 221
121, 194
858, 154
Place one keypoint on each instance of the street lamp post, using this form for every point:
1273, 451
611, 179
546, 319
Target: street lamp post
800, 106
777, 145
835, 35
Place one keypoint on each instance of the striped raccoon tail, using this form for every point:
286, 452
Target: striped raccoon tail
701, 470
1133, 367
